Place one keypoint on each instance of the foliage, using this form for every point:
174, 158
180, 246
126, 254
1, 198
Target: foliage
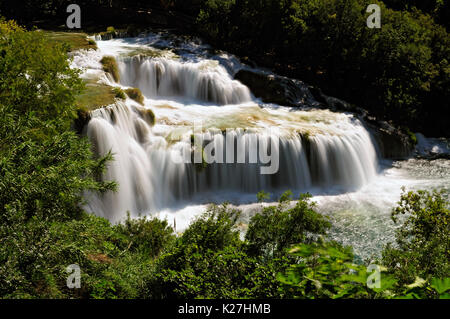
147, 236
36, 77
422, 248
114, 260
326, 270
276, 228
438, 9
211, 261
206, 261
44, 166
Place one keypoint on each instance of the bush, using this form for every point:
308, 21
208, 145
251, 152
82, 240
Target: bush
422, 248
110, 66
276, 228
326, 270
147, 236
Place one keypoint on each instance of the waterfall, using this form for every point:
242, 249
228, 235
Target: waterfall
155, 166
205, 80
150, 178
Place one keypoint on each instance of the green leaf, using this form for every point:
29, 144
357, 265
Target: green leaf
440, 285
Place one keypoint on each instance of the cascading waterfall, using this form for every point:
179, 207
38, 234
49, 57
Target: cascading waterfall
146, 164
150, 178
205, 80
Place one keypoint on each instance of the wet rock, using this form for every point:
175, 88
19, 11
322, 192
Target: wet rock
392, 142
83, 117
277, 89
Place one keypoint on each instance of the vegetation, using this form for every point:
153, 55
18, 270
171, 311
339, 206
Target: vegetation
75, 41
110, 66
422, 247
135, 94
276, 228
119, 93
44, 166
94, 96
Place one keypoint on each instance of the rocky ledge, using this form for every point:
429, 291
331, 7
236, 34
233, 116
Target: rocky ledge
271, 88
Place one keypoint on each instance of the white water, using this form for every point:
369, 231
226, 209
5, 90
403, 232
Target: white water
328, 154
161, 77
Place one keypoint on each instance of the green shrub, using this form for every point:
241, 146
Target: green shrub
276, 228
110, 66
422, 248
147, 236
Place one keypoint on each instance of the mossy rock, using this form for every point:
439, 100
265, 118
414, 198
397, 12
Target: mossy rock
136, 95
110, 66
412, 137
94, 96
151, 53
148, 116
132, 30
119, 93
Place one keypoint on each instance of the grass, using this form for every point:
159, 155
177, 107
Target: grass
75, 41
136, 95
110, 66
95, 96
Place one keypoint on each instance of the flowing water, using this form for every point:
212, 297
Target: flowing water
185, 84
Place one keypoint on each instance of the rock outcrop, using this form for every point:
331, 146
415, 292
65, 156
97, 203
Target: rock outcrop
271, 88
